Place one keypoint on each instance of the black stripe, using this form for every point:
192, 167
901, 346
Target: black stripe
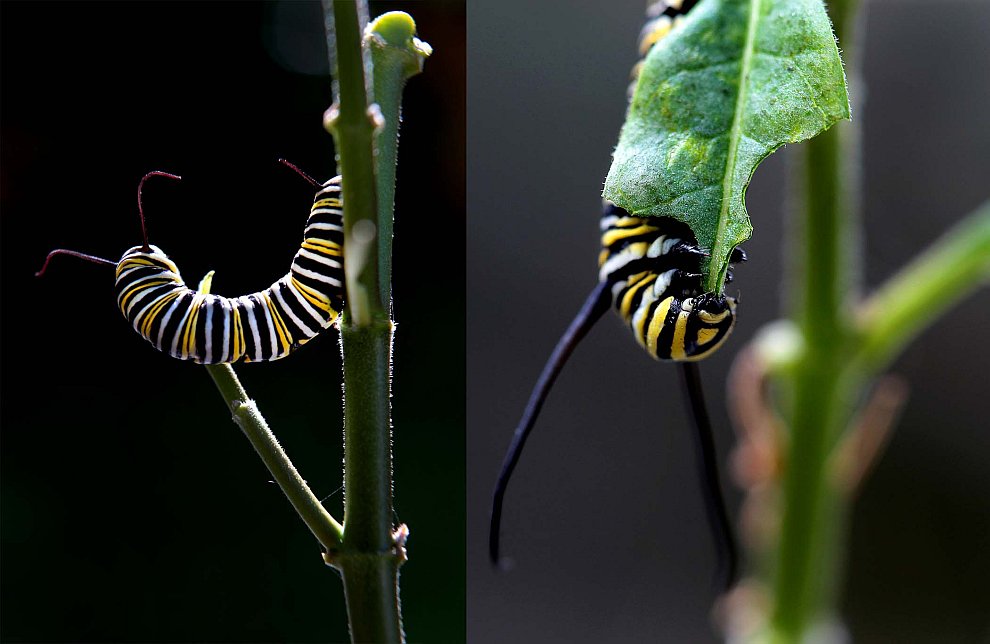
172, 326
293, 305
666, 337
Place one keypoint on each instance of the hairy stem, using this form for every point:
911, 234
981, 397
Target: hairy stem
353, 127
370, 555
396, 55
323, 526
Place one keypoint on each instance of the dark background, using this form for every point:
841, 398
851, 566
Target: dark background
604, 518
133, 508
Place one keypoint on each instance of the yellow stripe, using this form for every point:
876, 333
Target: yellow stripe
236, 334
154, 311
126, 264
328, 202
706, 335
661, 27
656, 324
322, 246
189, 332
283, 333
708, 318
315, 298
613, 235
640, 327
626, 222
680, 330
625, 307
134, 289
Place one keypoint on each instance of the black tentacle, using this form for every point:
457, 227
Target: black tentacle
594, 307
718, 516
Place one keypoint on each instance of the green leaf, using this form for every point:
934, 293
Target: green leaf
735, 81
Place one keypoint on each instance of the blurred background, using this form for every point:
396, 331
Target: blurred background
604, 517
132, 507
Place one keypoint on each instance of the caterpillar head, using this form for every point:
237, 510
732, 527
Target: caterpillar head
703, 325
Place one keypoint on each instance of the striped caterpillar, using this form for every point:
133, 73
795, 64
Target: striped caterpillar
650, 272
212, 329
651, 267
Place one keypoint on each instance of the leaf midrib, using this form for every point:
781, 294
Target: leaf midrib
735, 135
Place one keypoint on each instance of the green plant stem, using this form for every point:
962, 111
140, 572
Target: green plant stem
396, 55
323, 526
353, 129
816, 406
808, 552
369, 558
924, 290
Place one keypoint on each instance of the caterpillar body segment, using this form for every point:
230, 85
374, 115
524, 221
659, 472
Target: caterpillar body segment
653, 268
266, 325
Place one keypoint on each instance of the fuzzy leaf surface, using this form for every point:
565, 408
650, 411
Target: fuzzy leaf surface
734, 82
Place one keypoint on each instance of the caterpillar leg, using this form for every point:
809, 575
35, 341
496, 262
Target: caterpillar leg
597, 303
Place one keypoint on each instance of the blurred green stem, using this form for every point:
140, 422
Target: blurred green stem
924, 290
808, 552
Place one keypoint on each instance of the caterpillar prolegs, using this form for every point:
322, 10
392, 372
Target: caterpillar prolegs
212, 329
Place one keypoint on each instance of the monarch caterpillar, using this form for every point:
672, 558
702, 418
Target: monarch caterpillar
212, 329
652, 268
650, 272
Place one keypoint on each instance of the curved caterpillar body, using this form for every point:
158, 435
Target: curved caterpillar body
652, 267
650, 272
212, 329
267, 325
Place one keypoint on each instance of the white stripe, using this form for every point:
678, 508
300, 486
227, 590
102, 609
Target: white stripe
648, 298
318, 258
662, 282
228, 344
178, 331
314, 275
209, 329
319, 226
253, 323
309, 333
147, 306
168, 316
617, 288
144, 293
273, 336
617, 261
317, 315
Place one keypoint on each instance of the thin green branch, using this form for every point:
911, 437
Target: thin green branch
925, 289
396, 55
245, 412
